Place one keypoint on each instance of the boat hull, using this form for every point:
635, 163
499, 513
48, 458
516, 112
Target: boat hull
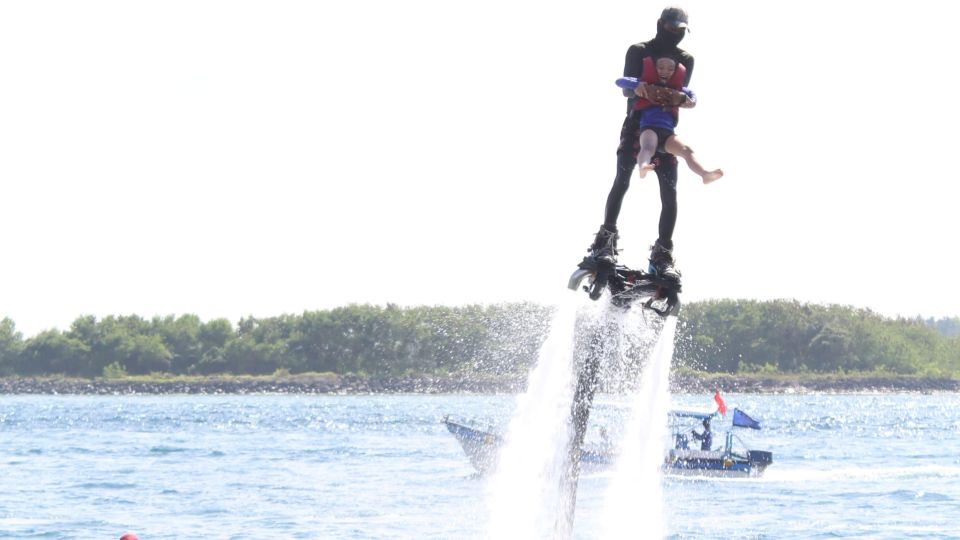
713, 464
481, 448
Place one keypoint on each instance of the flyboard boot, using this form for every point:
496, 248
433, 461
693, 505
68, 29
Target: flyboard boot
604, 246
662, 264
599, 264
656, 289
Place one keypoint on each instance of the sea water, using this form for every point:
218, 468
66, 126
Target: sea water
633, 504
525, 495
298, 466
528, 493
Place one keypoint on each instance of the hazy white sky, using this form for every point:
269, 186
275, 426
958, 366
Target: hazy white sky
233, 158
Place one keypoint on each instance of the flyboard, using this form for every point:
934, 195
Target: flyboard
627, 286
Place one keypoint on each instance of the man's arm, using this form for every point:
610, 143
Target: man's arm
687, 60
633, 65
668, 97
687, 99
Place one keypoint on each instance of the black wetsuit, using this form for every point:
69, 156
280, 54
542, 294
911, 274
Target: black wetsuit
706, 438
666, 164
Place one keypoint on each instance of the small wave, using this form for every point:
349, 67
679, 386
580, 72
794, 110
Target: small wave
699, 479
20, 522
861, 473
106, 485
911, 495
166, 449
209, 511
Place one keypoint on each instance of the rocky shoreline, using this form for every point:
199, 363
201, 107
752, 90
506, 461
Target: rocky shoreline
346, 385
813, 384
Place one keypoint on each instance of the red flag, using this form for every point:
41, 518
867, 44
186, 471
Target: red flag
721, 406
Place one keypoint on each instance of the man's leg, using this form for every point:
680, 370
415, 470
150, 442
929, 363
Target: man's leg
667, 175
661, 256
605, 244
626, 161
625, 165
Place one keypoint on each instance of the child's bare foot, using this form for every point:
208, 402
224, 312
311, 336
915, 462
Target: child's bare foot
712, 175
647, 167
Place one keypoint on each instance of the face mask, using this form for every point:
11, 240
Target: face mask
669, 39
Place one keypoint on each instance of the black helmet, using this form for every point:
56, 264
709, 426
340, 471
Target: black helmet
672, 26
675, 17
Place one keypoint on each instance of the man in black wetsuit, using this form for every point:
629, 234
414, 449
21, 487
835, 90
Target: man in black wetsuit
671, 27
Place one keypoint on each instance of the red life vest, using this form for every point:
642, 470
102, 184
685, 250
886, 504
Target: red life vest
649, 76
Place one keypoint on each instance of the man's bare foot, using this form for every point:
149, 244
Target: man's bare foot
647, 167
712, 175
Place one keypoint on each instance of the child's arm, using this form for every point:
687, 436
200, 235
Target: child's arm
686, 99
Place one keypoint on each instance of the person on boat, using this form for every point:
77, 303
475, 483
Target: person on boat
671, 28
705, 438
657, 121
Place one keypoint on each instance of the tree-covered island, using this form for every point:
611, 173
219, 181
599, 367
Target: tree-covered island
484, 347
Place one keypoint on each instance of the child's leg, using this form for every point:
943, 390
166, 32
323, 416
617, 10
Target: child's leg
676, 147
648, 147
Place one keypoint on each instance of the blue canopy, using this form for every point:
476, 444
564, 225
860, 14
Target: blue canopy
692, 413
740, 419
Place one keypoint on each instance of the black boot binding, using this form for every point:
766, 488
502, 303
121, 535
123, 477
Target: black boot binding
662, 264
657, 290
604, 247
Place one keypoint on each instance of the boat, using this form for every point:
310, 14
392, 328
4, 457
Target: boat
731, 459
481, 447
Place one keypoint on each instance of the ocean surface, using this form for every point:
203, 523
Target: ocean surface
291, 466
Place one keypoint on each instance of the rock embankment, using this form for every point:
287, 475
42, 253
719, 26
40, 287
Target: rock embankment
448, 385
812, 384
241, 385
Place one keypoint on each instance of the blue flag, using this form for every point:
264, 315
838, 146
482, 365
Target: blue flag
740, 419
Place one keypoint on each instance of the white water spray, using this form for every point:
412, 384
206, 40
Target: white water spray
524, 493
634, 499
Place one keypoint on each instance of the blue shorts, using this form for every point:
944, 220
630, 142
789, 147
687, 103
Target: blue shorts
630, 137
662, 135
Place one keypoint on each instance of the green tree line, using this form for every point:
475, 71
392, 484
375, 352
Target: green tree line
731, 336
717, 336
